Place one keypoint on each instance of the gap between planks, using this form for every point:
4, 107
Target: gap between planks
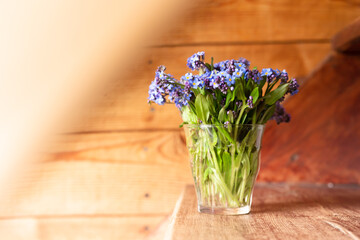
243, 43
175, 129
74, 216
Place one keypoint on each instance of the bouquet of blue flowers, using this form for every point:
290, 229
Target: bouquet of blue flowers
224, 108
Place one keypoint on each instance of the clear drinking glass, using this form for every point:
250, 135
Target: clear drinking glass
225, 162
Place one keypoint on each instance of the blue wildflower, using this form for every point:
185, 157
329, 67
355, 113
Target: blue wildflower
238, 73
284, 76
197, 82
213, 74
274, 75
163, 85
215, 83
221, 66
276, 72
160, 69
205, 79
230, 67
250, 102
155, 94
179, 97
159, 87
221, 82
206, 74
200, 82
196, 61
213, 79
222, 74
280, 115
223, 86
233, 113
187, 78
230, 80
266, 72
293, 87
244, 63
238, 104
240, 66
253, 75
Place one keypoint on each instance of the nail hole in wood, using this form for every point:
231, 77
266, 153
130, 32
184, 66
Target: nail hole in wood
294, 157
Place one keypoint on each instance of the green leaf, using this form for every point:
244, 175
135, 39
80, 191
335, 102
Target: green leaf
214, 138
268, 114
231, 117
255, 94
248, 87
235, 92
228, 98
246, 163
206, 174
226, 157
188, 115
210, 100
229, 128
208, 66
239, 90
182, 124
275, 95
202, 108
192, 108
222, 115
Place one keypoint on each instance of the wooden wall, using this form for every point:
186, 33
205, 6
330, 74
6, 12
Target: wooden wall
124, 165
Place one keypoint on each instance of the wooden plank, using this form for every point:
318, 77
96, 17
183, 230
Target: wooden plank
160, 232
348, 39
279, 212
125, 106
134, 147
50, 228
261, 21
321, 143
110, 173
86, 187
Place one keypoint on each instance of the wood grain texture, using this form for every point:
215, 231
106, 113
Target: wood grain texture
278, 212
49, 228
125, 106
99, 186
165, 147
348, 39
321, 143
235, 21
90, 188
120, 177
110, 173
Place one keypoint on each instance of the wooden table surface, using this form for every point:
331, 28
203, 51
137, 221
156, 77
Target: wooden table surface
279, 211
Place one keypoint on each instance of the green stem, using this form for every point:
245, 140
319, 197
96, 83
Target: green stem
245, 174
243, 185
254, 118
232, 178
228, 137
219, 177
271, 86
